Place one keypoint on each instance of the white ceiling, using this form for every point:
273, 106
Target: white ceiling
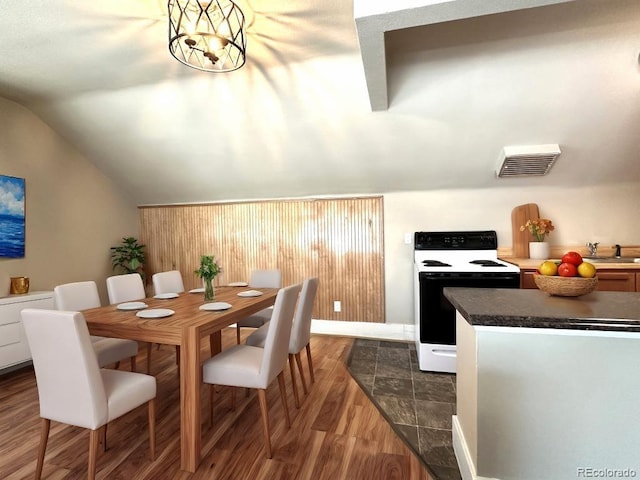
297, 119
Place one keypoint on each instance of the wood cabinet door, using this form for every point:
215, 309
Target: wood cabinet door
526, 279
616, 281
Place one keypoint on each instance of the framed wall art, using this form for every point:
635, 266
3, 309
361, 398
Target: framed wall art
12, 217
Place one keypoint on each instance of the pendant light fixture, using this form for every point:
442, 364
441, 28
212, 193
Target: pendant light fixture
208, 36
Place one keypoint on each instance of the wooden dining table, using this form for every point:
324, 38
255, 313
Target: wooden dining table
185, 327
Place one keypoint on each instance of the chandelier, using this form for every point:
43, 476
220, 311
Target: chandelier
208, 36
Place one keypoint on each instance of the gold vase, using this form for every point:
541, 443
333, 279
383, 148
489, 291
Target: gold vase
19, 285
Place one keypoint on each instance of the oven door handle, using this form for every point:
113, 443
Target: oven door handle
443, 353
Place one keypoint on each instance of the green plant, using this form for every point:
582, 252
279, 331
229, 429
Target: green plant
129, 256
209, 267
208, 270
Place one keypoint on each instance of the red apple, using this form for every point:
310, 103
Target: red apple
572, 257
567, 270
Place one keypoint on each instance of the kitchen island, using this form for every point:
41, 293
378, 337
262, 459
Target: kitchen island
547, 387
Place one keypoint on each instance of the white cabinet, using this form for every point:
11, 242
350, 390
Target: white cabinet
14, 348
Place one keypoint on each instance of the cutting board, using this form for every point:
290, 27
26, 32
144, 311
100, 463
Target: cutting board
519, 216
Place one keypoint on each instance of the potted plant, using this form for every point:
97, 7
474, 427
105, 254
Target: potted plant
129, 256
539, 229
208, 270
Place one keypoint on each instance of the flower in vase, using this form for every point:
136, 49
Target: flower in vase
539, 228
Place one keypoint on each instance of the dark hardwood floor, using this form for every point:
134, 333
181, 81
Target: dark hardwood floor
337, 433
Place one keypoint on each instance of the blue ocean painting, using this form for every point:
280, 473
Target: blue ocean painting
12, 221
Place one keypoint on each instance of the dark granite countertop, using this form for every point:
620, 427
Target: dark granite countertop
503, 307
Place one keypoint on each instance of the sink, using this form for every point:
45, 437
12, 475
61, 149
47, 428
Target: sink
599, 259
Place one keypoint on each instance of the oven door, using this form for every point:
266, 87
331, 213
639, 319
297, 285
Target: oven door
437, 315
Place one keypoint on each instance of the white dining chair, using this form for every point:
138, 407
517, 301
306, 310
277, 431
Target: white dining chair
167, 282
125, 288
73, 389
128, 288
300, 336
260, 279
78, 296
246, 366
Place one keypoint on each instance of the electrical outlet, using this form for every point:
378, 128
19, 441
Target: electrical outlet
337, 306
408, 238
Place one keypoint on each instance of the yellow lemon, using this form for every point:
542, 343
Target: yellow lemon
548, 268
586, 270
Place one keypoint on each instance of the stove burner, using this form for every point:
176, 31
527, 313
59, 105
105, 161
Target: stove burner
434, 263
487, 263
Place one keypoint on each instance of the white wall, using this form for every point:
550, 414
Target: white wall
605, 214
65, 193
73, 212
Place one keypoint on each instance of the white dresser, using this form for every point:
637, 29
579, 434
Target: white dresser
14, 349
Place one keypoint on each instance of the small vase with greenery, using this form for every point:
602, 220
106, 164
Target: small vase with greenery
208, 270
129, 256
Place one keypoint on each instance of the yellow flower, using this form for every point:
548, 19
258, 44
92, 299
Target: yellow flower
539, 228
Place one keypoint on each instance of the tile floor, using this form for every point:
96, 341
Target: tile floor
419, 405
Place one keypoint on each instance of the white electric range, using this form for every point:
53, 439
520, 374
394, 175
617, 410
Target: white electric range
451, 259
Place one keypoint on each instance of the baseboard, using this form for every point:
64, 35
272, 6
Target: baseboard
380, 331
465, 464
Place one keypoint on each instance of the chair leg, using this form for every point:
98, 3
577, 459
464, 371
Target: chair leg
211, 391
104, 437
149, 350
283, 396
294, 385
152, 428
262, 395
94, 440
178, 358
238, 335
133, 363
233, 398
304, 382
313, 378
45, 424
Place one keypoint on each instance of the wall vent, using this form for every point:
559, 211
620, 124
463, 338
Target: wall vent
529, 160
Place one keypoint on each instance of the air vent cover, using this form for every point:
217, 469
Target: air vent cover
529, 160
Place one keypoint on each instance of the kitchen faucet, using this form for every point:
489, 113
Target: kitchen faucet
593, 248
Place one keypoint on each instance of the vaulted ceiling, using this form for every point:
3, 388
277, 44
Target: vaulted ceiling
334, 98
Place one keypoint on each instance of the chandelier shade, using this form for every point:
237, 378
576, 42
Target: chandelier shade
208, 36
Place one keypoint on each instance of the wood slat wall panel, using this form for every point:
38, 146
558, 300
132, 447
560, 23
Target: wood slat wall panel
339, 240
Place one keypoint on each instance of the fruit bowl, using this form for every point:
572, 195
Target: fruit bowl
565, 286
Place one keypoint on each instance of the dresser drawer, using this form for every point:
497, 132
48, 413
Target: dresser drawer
9, 334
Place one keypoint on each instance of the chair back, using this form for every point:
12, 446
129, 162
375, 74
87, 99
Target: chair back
168, 282
70, 385
276, 344
125, 288
266, 279
301, 329
76, 296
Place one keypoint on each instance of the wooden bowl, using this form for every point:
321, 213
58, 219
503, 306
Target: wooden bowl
565, 286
